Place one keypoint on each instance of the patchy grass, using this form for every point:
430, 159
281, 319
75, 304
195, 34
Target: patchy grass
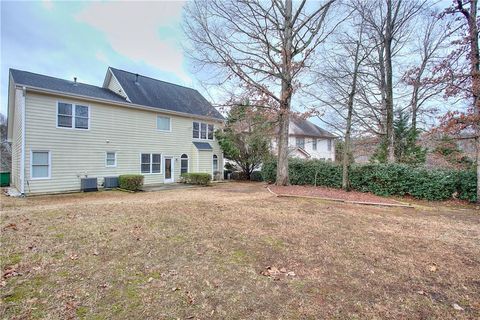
204, 254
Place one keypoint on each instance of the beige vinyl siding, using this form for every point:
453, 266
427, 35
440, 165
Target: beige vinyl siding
17, 139
205, 158
78, 153
115, 86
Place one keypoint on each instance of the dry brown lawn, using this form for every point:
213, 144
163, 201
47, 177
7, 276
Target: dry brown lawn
203, 253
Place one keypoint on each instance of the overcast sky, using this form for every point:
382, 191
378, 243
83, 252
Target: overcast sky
67, 39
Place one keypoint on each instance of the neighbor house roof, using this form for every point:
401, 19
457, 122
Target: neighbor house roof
160, 94
50, 83
302, 127
141, 90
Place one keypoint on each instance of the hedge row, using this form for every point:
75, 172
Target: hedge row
381, 179
196, 178
133, 182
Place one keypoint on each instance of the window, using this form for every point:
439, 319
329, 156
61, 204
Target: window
111, 159
329, 144
163, 123
300, 142
183, 164
64, 115
314, 144
210, 131
215, 163
151, 162
196, 130
72, 116
203, 131
81, 117
40, 168
156, 163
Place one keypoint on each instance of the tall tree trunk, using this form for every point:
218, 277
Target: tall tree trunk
285, 98
389, 83
414, 103
475, 70
346, 148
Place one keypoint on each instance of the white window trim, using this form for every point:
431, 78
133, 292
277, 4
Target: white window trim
151, 162
218, 165
106, 157
169, 123
200, 131
49, 165
73, 115
172, 171
314, 144
188, 163
297, 144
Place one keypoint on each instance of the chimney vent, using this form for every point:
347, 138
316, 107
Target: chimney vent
136, 78
74, 81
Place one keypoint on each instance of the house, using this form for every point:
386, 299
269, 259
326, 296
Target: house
62, 131
306, 140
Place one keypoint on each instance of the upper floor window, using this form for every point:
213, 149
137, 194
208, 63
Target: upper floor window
210, 132
163, 123
314, 144
203, 130
300, 142
329, 144
73, 116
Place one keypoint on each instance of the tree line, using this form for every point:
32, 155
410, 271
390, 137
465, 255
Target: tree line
363, 67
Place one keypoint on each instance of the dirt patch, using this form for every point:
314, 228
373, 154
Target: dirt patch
331, 193
234, 251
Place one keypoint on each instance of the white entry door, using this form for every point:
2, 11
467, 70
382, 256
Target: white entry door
168, 169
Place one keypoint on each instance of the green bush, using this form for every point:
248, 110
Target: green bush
381, 179
467, 185
197, 178
131, 182
256, 176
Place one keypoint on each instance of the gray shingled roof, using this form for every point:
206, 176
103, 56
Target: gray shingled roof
159, 94
148, 92
302, 127
50, 83
203, 145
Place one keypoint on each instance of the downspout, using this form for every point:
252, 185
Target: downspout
22, 157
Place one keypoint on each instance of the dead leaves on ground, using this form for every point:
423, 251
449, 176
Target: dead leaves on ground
12, 226
11, 271
277, 274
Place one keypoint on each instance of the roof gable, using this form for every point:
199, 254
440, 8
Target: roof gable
302, 127
164, 95
61, 85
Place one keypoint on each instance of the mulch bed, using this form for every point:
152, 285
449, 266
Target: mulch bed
330, 193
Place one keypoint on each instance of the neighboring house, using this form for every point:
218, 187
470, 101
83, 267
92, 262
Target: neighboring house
308, 141
62, 131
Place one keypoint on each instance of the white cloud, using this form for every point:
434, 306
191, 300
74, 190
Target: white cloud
101, 56
133, 30
47, 4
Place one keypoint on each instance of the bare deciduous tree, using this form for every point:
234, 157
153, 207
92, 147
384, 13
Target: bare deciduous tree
388, 25
264, 46
339, 77
429, 49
